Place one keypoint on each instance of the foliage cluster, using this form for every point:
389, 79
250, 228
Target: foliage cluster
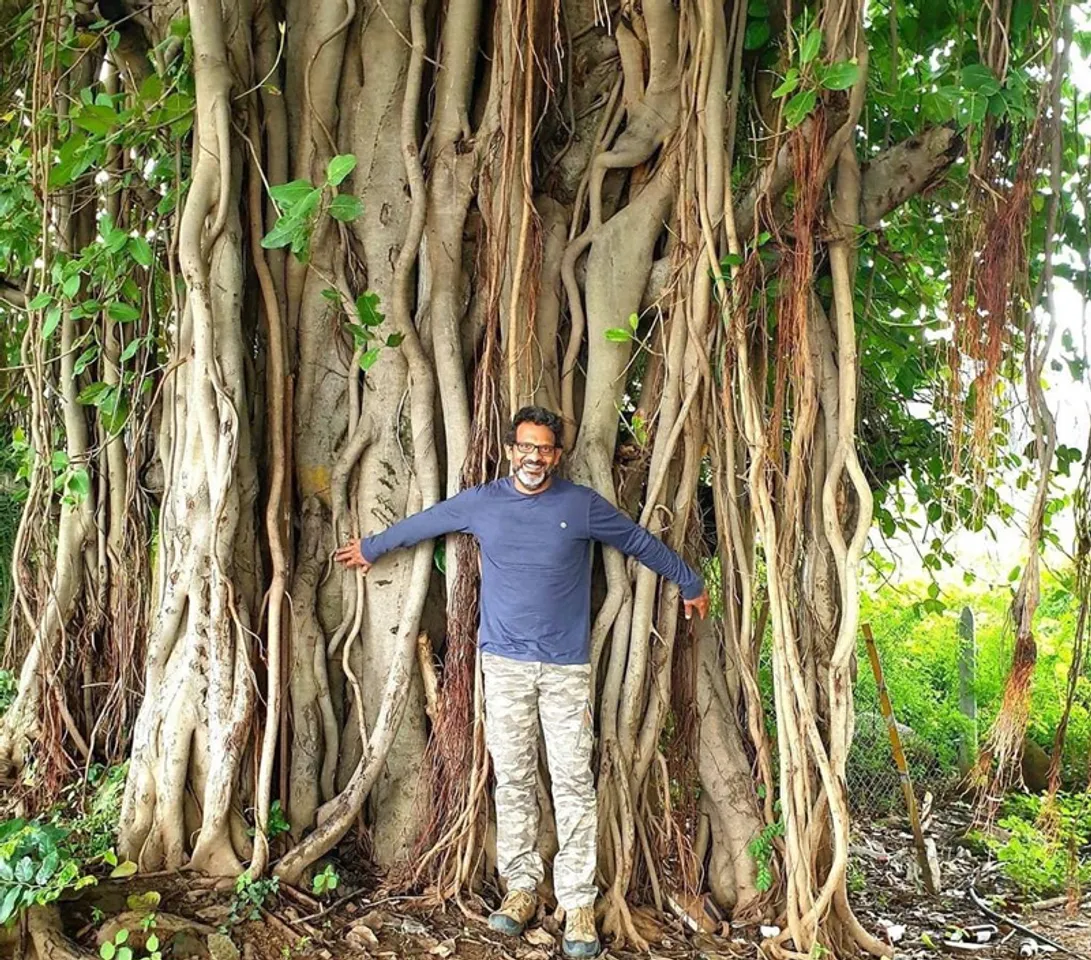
1043, 848
918, 646
43, 859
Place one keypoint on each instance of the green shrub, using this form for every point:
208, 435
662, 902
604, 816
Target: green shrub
36, 866
7, 690
917, 637
1043, 850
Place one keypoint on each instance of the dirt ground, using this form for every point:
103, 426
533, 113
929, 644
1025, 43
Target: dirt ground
194, 915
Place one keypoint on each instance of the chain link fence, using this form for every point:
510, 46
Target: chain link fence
874, 782
931, 726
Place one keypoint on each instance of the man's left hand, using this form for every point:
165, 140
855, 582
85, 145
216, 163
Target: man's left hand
700, 604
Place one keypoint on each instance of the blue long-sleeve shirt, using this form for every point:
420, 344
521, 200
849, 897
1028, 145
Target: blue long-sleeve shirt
535, 561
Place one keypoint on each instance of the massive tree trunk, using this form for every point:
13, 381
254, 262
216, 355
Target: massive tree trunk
533, 228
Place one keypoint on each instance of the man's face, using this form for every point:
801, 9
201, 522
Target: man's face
534, 455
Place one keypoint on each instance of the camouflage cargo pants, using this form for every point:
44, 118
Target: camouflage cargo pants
517, 694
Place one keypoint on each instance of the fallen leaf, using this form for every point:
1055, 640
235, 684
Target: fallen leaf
444, 949
538, 937
122, 870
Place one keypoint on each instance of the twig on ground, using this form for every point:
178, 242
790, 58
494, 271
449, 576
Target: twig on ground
1014, 924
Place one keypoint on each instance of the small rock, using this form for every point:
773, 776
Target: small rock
222, 948
768, 933
372, 919
361, 935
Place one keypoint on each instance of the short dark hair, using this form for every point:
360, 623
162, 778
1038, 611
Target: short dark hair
540, 417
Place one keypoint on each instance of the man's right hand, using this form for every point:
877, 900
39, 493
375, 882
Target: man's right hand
351, 556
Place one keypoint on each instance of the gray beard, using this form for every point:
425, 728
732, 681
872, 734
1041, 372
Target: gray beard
531, 483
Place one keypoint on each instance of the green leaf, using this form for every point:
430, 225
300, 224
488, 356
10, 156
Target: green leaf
840, 76
346, 208
152, 943
757, 8
152, 88
114, 410
618, 335
938, 107
24, 870
757, 34
107, 951
395, 340
791, 81
122, 312
40, 302
78, 484
340, 167
85, 359
98, 118
7, 908
811, 46
122, 936
289, 194
799, 108
634, 321
284, 232
332, 295
125, 953
367, 361
141, 251
367, 309
71, 286
131, 349
980, 79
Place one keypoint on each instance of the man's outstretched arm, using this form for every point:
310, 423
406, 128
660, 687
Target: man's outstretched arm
609, 525
447, 516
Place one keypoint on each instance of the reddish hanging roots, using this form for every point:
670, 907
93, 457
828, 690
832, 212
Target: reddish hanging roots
998, 765
450, 755
797, 272
988, 294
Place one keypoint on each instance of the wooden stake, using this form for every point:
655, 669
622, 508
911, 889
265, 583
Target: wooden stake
899, 760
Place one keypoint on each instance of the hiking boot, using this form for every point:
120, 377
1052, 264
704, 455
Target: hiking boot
580, 937
515, 912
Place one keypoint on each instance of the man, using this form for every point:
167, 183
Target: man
535, 532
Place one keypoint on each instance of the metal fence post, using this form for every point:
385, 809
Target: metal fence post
967, 696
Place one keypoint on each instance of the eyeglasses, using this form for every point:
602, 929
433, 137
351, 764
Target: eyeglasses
545, 449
